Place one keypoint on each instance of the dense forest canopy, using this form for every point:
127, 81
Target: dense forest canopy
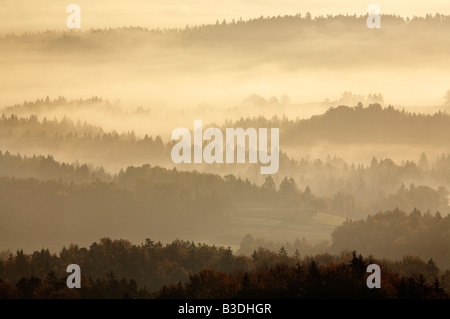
183, 269
393, 233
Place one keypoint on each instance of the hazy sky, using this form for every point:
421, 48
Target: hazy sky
22, 15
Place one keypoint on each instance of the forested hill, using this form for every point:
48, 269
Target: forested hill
359, 124
343, 124
393, 233
288, 25
47, 168
71, 141
293, 35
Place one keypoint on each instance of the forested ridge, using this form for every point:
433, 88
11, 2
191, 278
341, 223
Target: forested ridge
358, 124
183, 269
373, 123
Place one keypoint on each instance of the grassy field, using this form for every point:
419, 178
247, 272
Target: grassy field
278, 225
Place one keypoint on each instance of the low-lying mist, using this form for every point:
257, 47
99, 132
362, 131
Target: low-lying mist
307, 60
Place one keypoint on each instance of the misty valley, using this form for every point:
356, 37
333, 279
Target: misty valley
255, 158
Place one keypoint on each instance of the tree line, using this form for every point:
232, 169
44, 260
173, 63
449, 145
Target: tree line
393, 233
182, 269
